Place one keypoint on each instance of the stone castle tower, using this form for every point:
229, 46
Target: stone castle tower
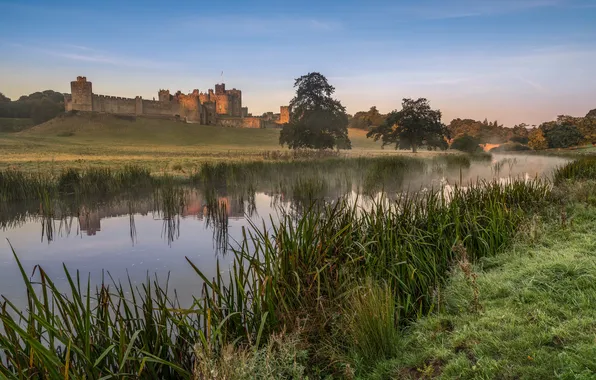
81, 94
284, 115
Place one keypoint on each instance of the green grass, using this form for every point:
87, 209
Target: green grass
537, 318
107, 141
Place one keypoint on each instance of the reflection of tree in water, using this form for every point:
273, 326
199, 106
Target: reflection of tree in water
227, 191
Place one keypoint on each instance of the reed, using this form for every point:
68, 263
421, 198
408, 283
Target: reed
581, 169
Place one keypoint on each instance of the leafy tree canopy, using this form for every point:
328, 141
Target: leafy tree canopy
317, 120
537, 141
415, 125
39, 106
365, 120
467, 143
592, 113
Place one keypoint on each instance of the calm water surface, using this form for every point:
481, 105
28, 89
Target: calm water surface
137, 238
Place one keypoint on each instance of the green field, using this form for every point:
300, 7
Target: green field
104, 140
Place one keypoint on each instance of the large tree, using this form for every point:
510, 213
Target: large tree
317, 120
415, 125
592, 113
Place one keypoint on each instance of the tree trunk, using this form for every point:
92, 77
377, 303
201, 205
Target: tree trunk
414, 148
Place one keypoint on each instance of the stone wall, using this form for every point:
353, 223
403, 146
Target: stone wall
222, 104
252, 122
190, 107
235, 102
114, 104
156, 108
235, 122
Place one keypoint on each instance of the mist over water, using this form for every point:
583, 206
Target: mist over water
150, 234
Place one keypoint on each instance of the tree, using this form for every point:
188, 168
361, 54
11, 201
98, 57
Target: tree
466, 143
416, 124
592, 114
537, 141
44, 110
365, 120
4, 99
563, 136
316, 119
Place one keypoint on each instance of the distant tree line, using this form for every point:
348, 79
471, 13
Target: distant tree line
38, 106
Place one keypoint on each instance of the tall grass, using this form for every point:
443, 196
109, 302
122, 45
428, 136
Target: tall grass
581, 169
301, 269
16, 185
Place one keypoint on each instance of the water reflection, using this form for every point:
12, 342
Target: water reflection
153, 231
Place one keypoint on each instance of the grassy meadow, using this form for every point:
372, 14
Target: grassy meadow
160, 145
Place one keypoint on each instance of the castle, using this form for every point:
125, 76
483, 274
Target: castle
216, 107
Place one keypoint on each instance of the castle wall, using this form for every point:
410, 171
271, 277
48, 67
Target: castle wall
189, 107
252, 122
244, 111
208, 116
234, 122
222, 104
114, 104
156, 108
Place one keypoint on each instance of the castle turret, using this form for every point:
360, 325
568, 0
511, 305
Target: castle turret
81, 95
164, 95
220, 89
284, 114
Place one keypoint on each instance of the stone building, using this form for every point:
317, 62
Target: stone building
219, 107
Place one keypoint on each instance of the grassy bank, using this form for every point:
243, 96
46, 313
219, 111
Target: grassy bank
528, 313
343, 292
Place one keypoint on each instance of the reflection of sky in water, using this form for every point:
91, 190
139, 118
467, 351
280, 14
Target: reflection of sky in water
111, 248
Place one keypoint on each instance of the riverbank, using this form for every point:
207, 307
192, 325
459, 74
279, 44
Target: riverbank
527, 313
329, 290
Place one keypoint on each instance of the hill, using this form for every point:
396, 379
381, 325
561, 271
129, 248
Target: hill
108, 140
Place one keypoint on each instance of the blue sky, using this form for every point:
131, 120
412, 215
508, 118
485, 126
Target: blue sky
510, 60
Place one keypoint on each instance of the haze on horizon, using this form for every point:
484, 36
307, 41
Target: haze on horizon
508, 60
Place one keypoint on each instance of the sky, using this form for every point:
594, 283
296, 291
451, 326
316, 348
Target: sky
508, 60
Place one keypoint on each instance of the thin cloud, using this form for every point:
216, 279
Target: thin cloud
535, 85
475, 8
87, 54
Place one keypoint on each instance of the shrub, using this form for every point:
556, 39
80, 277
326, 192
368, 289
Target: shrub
466, 143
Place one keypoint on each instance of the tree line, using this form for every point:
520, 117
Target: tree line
319, 121
38, 106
